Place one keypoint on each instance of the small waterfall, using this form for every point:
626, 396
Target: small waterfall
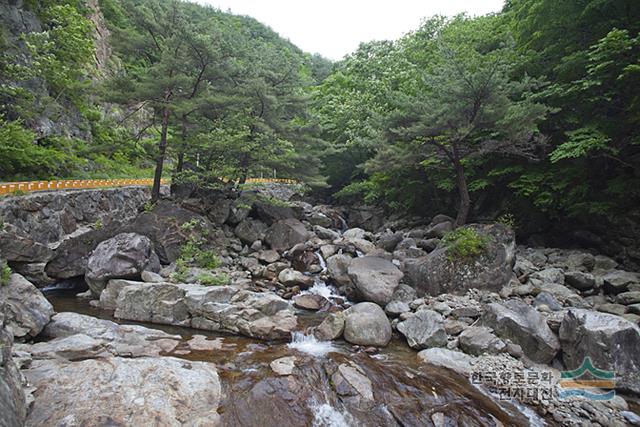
321, 288
323, 263
310, 345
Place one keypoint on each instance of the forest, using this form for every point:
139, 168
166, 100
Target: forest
529, 116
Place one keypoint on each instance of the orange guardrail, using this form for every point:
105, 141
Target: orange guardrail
268, 180
28, 186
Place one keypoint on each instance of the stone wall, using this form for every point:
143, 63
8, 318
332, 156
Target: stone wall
33, 228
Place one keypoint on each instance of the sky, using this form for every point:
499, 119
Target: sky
335, 28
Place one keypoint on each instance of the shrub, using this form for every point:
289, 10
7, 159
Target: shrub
5, 273
206, 259
464, 243
209, 279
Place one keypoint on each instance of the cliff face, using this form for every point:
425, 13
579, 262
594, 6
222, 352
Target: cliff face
50, 114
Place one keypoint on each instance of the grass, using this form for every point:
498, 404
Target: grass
464, 244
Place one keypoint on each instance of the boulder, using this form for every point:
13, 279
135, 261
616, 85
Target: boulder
350, 380
337, 267
388, 241
579, 280
367, 325
610, 341
163, 225
176, 391
13, 405
284, 365
437, 273
98, 335
368, 217
309, 301
376, 279
618, 281
439, 230
249, 230
286, 233
628, 298
548, 300
525, 326
478, 340
268, 256
124, 256
290, 278
151, 277
26, 310
269, 213
423, 329
396, 308
354, 233
331, 327
326, 233
219, 308
450, 359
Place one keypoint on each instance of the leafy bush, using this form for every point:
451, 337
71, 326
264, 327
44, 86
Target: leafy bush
206, 259
5, 273
209, 279
464, 244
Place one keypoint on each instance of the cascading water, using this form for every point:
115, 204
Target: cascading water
325, 415
310, 345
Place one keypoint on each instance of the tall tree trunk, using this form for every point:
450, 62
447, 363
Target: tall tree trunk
463, 193
162, 148
180, 165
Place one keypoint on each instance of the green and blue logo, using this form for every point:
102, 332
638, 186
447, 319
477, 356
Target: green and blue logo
588, 382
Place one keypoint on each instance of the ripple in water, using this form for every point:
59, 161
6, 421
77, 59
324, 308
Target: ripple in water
310, 345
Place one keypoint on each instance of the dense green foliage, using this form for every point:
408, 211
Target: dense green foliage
541, 101
187, 86
526, 114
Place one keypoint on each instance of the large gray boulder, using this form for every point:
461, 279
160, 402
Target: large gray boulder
220, 308
450, 359
525, 326
249, 230
26, 310
618, 281
269, 212
124, 256
337, 268
106, 336
424, 329
376, 279
366, 324
286, 233
439, 273
163, 224
174, 392
478, 340
13, 405
611, 342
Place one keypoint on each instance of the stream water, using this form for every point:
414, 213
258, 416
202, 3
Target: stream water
407, 392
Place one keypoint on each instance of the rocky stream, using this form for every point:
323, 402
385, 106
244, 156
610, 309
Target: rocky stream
212, 307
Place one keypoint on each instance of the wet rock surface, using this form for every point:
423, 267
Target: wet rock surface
293, 272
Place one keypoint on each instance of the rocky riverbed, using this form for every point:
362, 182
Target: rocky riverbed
212, 307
